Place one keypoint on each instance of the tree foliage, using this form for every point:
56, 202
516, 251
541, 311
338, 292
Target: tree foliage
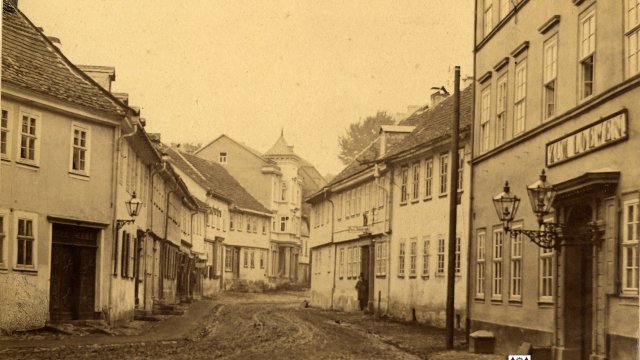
360, 134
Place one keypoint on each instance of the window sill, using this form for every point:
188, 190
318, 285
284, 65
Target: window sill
26, 165
496, 301
478, 299
412, 276
26, 271
415, 201
425, 277
628, 295
427, 198
5, 159
403, 203
545, 303
401, 276
440, 274
515, 302
381, 276
443, 195
79, 176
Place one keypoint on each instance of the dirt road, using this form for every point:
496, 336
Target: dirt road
262, 326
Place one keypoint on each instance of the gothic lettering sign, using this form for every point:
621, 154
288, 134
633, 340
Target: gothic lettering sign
595, 136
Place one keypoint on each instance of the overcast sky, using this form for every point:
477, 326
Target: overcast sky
248, 68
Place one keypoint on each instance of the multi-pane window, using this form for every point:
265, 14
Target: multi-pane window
252, 262
515, 270
350, 262
460, 168
381, 192
484, 118
341, 264
519, 105
29, 138
4, 134
458, 255
283, 223
632, 31
339, 207
428, 177
239, 218
413, 254
232, 219
246, 257
425, 256
587, 52
501, 110
222, 158
488, 16
404, 175
630, 234
440, 259
262, 259
550, 74
80, 149
546, 275
496, 287
381, 258
415, 193
347, 201
444, 169
26, 239
401, 255
3, 234
480, 264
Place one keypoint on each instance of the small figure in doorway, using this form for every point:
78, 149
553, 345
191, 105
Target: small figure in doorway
363, 291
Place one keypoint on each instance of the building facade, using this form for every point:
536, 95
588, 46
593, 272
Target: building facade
556, 89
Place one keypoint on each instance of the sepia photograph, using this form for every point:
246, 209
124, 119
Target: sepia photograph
295, 179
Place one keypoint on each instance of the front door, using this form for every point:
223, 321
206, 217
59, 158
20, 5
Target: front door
364, 269
73, 266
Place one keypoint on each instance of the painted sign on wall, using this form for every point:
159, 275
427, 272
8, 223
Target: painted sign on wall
595, 136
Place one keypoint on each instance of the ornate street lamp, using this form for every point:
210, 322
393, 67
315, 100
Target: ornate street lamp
133, 208
550, 235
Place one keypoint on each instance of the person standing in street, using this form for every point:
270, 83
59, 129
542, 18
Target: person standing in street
363, 290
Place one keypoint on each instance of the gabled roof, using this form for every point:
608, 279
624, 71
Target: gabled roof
280, 148
215, 178
256, 153
362, 162
435, 123
31, 61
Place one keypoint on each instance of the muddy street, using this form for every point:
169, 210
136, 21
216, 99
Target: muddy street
240, 326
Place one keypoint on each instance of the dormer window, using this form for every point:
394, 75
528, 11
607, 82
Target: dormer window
222, 158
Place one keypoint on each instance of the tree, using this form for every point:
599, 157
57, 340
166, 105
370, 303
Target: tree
360, 134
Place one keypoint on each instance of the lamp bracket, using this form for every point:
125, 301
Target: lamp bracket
121, 223
555, 236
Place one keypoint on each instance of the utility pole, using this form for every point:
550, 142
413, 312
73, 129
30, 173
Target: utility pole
453, 207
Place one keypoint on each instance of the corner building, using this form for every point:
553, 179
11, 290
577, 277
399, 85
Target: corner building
557, 88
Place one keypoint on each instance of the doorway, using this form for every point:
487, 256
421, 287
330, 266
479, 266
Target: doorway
73, 271
578, 285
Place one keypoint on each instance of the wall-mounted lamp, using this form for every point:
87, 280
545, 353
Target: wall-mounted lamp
133, 208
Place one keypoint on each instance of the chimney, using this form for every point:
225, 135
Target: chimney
438, 96
55, 40
103, 75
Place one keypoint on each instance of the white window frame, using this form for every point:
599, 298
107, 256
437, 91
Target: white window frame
404, 184
444, 173
415, 190
546, 281
460, 169
632, 37
550, 78
4, 238
485, 123
428, 178
501, 110
401, 257
381, 258
458, 256
440, 264
587, 52
426, 248
520, 98
629, 246
487, 17
413, 257
38, 130
481, 241
515, 265
87, 148
7, 131
21, 215
497, 268
341, 264
222, 157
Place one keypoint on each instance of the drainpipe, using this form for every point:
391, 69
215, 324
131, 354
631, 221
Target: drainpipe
335, 247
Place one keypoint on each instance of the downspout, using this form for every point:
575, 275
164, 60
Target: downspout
335, 247
114, 192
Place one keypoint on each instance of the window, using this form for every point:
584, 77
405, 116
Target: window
416, 182
29, 141
488, 16
283, 191
496, 287
232, 219
350, 262
356, 261
381, 258
79, 149
546, 275
632, 31
480, 264
246, 257
26, 239
381, 192
501, 110
264, 226
239, 217
630, 231
252, 263
444, 169
283, 223
457, 262
587, 51
404, 174
428, 177
228, 259
222, 158
515, 270
262, 258
358, 199
460, 168
440, 264
484, 119
550, 74
401, 258
425, 256
3, 235
124, 259
413, 253
341, 264
519, 106
339, 206
505, 8
4, 134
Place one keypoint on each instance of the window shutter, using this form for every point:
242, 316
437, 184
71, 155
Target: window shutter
611, 245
